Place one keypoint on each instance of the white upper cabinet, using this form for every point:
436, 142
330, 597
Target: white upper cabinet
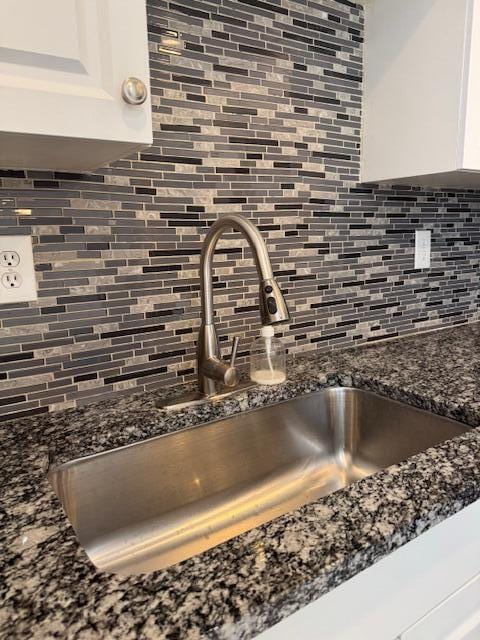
62, 67
421, 122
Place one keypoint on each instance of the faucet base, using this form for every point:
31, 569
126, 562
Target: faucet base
195, 398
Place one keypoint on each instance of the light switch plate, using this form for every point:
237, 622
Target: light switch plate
17, 272
423, 238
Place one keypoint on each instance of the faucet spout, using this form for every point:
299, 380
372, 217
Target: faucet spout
273, 308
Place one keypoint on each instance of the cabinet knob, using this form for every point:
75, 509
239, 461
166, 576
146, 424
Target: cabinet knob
134, 91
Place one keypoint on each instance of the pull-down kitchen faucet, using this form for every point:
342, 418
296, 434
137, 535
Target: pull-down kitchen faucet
212, 371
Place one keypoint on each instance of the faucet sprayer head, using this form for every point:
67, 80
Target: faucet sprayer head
273, 308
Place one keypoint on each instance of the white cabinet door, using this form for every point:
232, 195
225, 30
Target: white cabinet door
470, 123
457, 618
62, 65
413, 88
422, 93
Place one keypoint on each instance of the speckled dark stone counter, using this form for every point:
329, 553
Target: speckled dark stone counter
49, 589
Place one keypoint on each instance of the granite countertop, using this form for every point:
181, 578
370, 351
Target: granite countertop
49, 588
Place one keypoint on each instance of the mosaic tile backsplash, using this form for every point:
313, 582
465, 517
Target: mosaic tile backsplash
260, 115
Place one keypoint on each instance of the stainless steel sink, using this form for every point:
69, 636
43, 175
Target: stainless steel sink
149, 505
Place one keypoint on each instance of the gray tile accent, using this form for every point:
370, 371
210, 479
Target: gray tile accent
261, 115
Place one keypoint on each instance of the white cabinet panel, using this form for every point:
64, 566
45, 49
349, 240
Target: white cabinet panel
412, 87
62, 65
470, 132
24, 36
422, 93
457, 618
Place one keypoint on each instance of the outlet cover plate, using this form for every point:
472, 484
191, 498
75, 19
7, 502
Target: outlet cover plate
423, 239
24, 270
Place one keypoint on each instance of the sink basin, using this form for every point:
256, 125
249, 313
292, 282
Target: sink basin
149, 505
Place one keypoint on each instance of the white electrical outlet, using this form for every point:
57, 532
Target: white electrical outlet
17, 273
9, 259
12, 280
423, 238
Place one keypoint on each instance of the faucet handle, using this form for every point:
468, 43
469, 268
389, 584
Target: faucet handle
233, 354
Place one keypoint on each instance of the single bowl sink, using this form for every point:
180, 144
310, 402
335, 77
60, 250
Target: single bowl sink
149, 505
